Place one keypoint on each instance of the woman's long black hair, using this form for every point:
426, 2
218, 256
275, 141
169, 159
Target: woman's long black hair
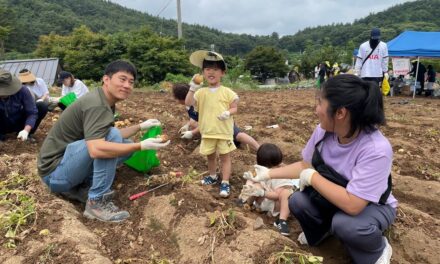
361, 98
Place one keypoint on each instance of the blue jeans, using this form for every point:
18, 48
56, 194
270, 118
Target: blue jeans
361, 234
77, 167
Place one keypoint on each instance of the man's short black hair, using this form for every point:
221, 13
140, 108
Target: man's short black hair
120, 66
180, 90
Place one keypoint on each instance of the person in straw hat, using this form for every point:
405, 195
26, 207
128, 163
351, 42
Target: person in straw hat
216, 104
18, 112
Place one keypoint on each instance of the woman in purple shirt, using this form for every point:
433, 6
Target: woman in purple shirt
345, 174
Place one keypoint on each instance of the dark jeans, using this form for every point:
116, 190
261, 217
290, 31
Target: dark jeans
361, 234
6, 126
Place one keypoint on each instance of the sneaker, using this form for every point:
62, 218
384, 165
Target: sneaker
79, 194
225, 189
208, 180
302, 239
385, 258
105, 210
282, 227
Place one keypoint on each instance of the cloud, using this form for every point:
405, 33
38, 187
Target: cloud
262, 17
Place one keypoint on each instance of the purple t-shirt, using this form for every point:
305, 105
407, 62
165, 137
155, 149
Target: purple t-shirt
365, 162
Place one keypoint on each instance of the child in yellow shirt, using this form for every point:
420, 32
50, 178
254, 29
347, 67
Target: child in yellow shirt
215, 104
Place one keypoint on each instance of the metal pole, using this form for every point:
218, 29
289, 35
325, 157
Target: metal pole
179, 21
415, 81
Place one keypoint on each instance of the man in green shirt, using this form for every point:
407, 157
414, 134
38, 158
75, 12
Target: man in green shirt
83, 148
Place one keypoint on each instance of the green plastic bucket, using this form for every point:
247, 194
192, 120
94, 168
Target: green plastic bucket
68, 99
145, 160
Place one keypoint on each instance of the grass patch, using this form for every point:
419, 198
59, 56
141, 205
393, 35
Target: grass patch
17, 207
155, 225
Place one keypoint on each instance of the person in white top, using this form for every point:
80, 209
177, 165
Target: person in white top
36, 85
372, 59
70, 84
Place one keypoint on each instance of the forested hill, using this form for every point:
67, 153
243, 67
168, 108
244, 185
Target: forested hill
23, 21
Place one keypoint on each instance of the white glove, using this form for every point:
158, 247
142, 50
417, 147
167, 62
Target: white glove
184, 128
386, 76
193, 86
186, 135
305, 178
149, 123
262, 174
39, 100
23, 135
252, 190
225, 115
153, 143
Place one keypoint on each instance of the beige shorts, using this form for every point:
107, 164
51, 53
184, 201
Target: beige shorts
211, 145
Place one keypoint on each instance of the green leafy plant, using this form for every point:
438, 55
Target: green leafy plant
288, 256
19, 207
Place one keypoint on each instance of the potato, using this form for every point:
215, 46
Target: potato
163, 138
198, 79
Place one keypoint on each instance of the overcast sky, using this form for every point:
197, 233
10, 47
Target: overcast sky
262, 17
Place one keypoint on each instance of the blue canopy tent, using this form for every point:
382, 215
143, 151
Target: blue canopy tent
415, 44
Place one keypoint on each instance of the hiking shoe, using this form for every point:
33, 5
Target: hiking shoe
208, 180
105, 210
282, 227
79, 194
225, 189
385, 258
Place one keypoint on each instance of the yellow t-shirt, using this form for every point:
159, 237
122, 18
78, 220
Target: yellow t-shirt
210, 103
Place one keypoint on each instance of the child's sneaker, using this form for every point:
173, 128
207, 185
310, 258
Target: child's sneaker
208, 180
225, 189
282, 227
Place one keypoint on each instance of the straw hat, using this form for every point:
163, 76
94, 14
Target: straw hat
9, 84
26, 77
197, 57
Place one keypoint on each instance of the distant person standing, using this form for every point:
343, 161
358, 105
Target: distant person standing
372, 59
420, 75
431, 80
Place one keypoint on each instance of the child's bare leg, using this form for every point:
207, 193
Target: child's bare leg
246, 139
226, 166
212, 164
284, 203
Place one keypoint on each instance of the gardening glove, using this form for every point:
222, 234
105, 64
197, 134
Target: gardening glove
186, 135
386, 76
262, 174
153, 143
184, 128
39, 100
225, 115
192, 85
149, 123
23, 135
252, 190
305, 178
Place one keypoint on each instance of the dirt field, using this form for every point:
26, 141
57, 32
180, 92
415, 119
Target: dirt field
184, 222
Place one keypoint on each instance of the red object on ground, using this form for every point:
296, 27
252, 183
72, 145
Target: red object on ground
137, 195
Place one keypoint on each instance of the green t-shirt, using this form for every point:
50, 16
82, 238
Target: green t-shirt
90, 117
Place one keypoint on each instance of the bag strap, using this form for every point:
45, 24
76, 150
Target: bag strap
368, 56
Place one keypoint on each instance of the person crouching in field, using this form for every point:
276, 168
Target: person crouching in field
215, 104
271, 195
79, 156
345, 174
191, 128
